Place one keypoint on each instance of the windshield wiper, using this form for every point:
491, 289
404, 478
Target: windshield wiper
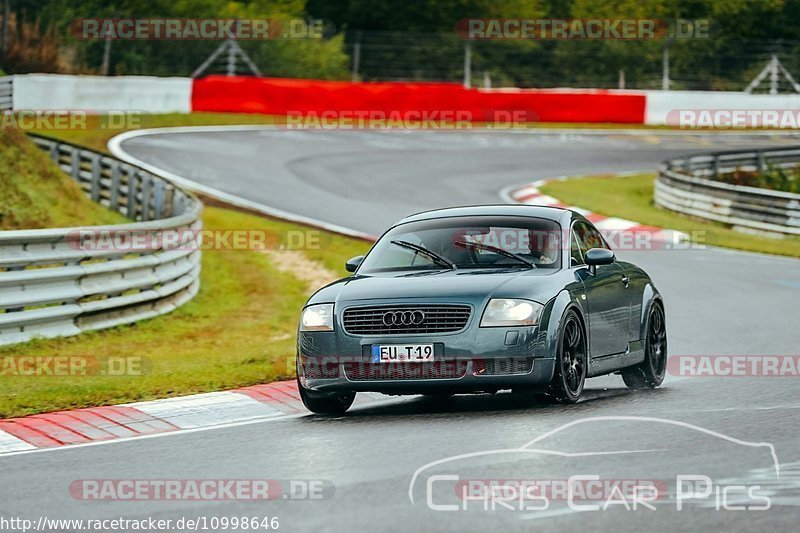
436, 258
490, 248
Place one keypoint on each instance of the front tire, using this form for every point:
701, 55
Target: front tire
649, 374
330, 405
569, 377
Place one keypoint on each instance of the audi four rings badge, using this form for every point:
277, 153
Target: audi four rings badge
403, 318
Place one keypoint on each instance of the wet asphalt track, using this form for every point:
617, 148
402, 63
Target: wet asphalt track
718, 302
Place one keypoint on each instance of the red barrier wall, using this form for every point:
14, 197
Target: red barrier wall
279, 96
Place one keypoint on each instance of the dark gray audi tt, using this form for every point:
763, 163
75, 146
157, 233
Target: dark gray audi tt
481, 299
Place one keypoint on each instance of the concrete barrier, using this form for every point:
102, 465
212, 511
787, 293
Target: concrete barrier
663, 107
148, 94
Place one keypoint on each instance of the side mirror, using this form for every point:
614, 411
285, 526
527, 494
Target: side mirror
599, 256
353, 262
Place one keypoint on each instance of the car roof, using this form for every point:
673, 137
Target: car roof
557, 214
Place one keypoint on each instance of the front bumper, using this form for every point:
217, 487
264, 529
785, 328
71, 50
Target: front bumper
473, 360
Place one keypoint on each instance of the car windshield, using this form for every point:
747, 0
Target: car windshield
467, 243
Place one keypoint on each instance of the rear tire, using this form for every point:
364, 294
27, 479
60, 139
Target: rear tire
649, 374
330, 405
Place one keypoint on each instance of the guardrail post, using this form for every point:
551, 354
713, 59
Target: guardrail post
114, 200
715, 166
176, 203
147, 185
762, 162
133, 189
158, 199
169, 201
95, 177
75, 164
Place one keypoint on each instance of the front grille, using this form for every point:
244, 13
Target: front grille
405, 371
502, 367
435, 319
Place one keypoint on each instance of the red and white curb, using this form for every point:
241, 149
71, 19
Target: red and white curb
531, 194
83, 426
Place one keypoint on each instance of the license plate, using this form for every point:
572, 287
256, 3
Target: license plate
402, 353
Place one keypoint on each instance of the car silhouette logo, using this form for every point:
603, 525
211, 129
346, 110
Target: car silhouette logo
403, 318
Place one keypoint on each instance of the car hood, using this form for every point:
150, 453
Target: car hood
455, 286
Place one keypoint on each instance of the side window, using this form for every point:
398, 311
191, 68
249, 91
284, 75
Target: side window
589, 237
576, 256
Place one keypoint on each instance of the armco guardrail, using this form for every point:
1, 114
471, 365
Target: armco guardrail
51, 284
6, 93
690, 186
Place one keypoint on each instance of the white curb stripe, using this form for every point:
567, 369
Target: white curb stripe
10, 443
613, 223
671, 236
526, 191
204, 410
531, 200
198, 412
542, 199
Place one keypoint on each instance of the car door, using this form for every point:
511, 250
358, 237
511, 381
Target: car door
607, 297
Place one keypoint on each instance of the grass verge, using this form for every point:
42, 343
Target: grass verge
631, 197
239, 330
35, 193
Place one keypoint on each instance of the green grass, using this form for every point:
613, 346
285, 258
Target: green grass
631, 197
35, 193
239, 330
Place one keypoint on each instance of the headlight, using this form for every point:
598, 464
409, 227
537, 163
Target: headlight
507, 312
317, 318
